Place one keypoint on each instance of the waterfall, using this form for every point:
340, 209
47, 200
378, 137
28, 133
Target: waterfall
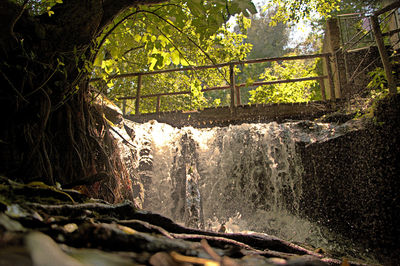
245, 177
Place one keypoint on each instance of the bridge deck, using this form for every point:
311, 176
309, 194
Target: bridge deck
222, 116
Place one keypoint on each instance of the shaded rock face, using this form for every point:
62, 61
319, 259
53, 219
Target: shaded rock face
352, 182
128, 183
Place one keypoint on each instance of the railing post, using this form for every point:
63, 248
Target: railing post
384, 56
336, 59
238, 100
139, 86
322, 85
123, 106
158, 104
330, 77
232, 85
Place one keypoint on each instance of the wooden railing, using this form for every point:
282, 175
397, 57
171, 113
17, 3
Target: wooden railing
379, 38
234, 88
360, 31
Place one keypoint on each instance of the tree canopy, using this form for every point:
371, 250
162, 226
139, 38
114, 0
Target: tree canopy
166, 37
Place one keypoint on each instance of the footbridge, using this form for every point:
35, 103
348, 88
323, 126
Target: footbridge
236, 112
223, 116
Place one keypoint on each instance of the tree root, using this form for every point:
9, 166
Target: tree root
109, 230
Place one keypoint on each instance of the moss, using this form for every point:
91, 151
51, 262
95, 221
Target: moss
387, 109
337, 117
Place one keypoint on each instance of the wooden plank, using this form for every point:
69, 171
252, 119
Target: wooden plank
223, 115
238, 100
156, 94
260, 83
384, 56
282, 58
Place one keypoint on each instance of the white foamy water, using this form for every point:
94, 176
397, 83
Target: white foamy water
248, 177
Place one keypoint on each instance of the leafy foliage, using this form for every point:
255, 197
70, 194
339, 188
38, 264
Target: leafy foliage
171, 36
188, 33
193, 33
378, 79
294, 11
355, 7
286, 92
266, 41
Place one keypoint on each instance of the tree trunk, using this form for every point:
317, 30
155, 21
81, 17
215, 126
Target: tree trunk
49, 130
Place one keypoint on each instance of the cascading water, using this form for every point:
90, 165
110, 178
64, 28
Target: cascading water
246, 177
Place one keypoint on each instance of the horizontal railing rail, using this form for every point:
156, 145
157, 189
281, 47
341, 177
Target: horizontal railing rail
235, 88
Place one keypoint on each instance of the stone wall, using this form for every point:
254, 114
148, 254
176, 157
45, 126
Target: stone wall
125, 183
352, 183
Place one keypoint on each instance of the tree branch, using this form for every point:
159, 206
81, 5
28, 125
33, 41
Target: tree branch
16, 19
133, 49
113, 8
190, 40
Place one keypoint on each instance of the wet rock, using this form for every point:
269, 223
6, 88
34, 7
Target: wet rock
193, 216
110, 110
351, 182
126, 184
186, 195
337, 117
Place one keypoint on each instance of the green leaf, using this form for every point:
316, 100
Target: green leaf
196, 6
110, 84
98, 61
153, 62
49, 12
137, 38
175, 57
106, 63
184, 62
163, 40
115, 51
